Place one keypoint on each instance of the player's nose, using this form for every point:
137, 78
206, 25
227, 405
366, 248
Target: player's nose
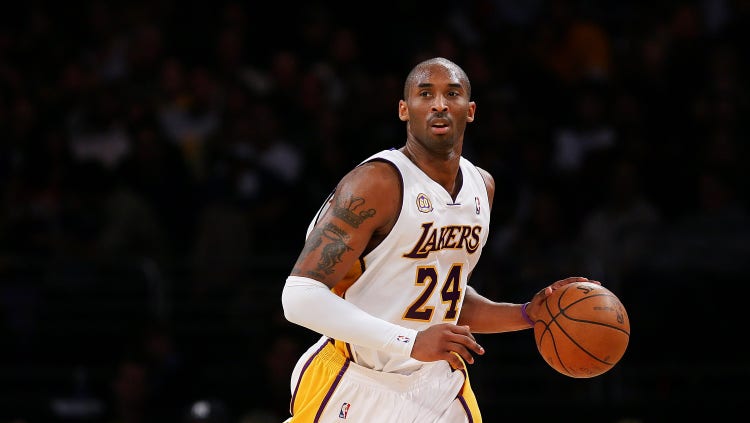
440, 104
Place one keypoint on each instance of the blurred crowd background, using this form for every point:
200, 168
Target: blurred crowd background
160, 162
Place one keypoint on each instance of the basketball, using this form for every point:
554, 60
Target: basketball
582, 330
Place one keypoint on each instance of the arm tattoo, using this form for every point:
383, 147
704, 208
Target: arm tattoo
346, 211
332, 251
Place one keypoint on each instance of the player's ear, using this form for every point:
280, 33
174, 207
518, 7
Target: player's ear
403, 111
472, 111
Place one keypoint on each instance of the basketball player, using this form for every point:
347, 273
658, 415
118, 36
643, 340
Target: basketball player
383, 275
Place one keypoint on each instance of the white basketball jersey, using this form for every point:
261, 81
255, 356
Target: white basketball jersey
418, 274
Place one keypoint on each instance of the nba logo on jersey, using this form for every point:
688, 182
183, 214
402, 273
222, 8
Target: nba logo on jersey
476, 202
402, 338
344, 410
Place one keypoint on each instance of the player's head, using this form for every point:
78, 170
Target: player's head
437, 104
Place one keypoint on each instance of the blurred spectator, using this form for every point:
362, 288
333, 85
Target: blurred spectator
191, 119
156, 171
586, 130
572, 45
615, 233
104, 220
98, 130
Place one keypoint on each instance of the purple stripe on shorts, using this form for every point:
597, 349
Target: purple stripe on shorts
466, 408
332, 389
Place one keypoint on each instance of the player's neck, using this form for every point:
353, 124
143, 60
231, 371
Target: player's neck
443, 170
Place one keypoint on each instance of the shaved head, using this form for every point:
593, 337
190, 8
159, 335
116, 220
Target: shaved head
424, 67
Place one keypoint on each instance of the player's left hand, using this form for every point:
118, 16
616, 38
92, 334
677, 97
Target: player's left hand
540, 296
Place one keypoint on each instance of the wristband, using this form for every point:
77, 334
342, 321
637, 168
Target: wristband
526, 316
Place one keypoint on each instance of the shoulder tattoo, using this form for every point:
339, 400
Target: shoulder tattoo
346, 210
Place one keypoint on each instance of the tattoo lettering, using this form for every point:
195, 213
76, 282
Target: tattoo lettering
346, 211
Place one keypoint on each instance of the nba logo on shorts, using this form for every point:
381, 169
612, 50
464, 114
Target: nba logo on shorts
344, 410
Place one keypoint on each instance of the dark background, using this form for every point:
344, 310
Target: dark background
160, 162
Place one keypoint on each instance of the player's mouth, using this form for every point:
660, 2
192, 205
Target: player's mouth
439, 130
440, 126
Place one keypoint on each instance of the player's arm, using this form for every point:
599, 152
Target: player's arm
483, 315
364, 204
362, 210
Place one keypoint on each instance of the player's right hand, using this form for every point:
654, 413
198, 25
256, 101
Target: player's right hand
447, 342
